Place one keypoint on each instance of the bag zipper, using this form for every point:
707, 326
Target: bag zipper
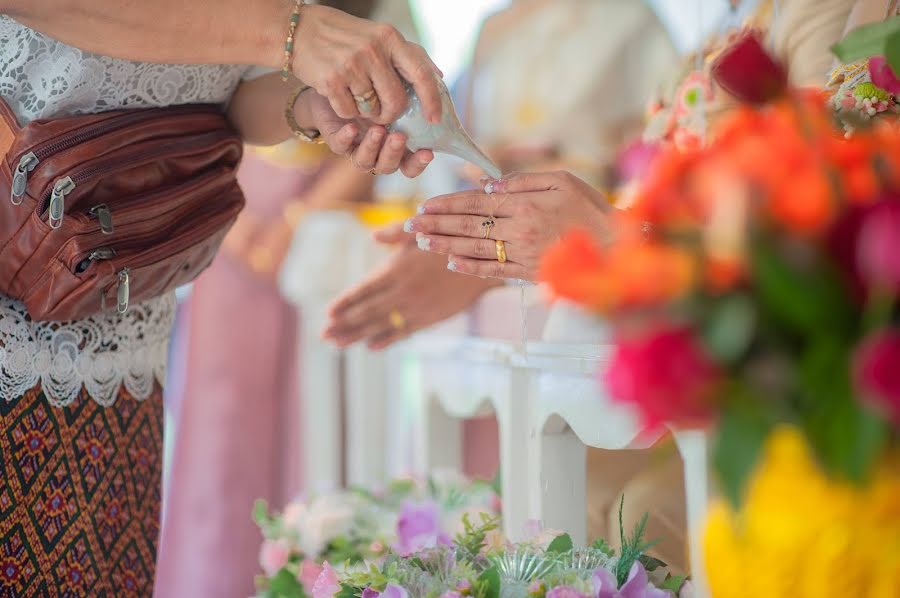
54, 200
80, 263
123, 284
32, 159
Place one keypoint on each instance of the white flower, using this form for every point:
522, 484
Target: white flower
328, 517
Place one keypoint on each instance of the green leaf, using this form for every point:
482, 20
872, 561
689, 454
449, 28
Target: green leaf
729, 327
651, 563
603, 546
742, 432
892, 52
673, 583
489, 583
802, 301
285, 585
845, 435
866, 41
560, 545
347, 592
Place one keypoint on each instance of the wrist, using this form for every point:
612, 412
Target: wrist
268, 44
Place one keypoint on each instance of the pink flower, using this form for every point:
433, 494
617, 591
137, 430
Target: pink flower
451, 594
635, 159
394, 591
273, 555
747, 71
565, 592
327, 584
666, 374
883, 75
419, 527
879, 246
878, 371
308, 574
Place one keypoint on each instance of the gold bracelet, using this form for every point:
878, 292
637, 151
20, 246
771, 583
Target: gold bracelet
286, 69
307, 135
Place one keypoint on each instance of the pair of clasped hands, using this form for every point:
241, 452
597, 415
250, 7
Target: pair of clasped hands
420, 285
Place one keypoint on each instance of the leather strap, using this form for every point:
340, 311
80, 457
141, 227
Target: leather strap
9, 127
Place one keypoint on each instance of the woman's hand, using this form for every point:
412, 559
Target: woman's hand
343, 57
369, 147
530, 212
412, 291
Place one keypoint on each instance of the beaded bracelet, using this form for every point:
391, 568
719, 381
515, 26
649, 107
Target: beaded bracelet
287, 70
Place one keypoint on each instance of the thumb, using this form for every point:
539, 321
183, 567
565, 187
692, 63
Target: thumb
392, 235
525, 182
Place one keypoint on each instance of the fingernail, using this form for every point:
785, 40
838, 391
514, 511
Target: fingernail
420, 209
408, 226
397, 143
451, 266
423, 242
497, 186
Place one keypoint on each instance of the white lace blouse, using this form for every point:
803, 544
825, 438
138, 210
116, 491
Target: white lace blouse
41, 77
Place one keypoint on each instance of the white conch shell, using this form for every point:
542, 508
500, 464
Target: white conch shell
447, 137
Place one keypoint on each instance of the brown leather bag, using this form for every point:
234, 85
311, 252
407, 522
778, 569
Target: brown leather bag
102, 210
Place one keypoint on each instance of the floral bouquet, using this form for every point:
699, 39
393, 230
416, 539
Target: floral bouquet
357, 525
480, 564
754, 285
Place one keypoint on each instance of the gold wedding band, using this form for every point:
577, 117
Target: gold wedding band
397, 320
501, 251
488, 226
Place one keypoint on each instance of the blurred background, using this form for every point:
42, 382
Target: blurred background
247, 363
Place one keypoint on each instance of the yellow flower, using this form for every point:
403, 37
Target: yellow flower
803, 535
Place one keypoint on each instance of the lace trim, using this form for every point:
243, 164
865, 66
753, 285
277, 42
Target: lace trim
42, 77
102, 353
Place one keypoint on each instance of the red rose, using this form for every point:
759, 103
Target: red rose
747, 71
666, 374
878, 371
878, 247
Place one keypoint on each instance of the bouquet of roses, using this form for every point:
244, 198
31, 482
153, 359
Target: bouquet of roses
358, 525
479, 563
755, 285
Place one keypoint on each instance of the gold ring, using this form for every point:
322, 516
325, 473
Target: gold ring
367, 102
488, 226
397, 320
501, 251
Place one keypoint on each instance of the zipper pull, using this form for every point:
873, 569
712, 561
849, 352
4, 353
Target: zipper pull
58, 201
20, 177
123, 291
103, 253
102, 214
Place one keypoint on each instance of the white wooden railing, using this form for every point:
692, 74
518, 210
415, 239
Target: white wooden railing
544, 393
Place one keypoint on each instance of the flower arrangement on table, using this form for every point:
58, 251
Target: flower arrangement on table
480, 564
357, 525
754, 284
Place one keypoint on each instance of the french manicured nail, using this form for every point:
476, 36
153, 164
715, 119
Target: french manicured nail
408, 226
420, 209
423, 242
451, 266
497, 186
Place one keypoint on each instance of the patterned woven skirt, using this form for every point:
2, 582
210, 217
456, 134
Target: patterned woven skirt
79, 496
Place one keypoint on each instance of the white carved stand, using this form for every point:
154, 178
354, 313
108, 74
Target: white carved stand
546, 398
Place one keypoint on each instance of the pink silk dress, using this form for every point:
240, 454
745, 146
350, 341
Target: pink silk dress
237, 419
